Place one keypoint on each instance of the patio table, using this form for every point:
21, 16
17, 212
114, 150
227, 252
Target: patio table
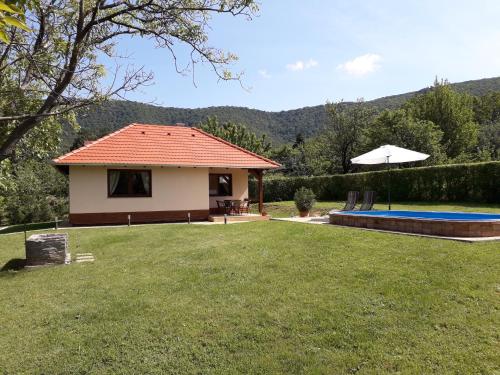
227, 205
234, 206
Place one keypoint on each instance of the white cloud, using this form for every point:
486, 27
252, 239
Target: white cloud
361, 65
302, 65
264, 74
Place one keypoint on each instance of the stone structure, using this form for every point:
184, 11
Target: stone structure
441, 227
44, 249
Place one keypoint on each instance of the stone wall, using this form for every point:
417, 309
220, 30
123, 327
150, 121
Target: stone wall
44, 249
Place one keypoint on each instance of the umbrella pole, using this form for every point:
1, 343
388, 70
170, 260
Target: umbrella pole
389, 184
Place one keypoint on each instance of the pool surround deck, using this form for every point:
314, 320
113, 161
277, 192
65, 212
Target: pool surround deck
325, 220
446, 228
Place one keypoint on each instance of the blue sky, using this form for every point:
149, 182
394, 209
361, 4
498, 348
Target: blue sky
303, 53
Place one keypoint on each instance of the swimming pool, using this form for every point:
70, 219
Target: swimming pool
450, 224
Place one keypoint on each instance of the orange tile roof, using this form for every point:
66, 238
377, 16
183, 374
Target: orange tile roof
140, 144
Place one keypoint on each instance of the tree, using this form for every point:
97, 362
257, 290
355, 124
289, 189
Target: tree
237, 134
487, 108
489, 141
297, 160
487, 114
54, 69
344, 133
84, 134
299, 140
452, 112
33, 191
12, 15
400, 129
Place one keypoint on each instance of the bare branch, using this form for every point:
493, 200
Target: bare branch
55, 70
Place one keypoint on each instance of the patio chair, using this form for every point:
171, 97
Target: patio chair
352, 199
228, 207
245, 206
220, 205
236, 204
368, 201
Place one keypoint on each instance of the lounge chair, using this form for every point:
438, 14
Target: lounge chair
368, 201
352, 198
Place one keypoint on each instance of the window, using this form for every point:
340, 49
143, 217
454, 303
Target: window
129, 183
220, 185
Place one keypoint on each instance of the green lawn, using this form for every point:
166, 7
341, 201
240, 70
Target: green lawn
264, 297
287, 208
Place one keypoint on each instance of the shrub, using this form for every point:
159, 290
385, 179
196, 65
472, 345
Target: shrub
474, 182
35, 192
304, 199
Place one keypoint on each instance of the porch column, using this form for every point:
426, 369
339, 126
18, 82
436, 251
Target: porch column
261, 190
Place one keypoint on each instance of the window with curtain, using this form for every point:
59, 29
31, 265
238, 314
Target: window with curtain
129, 183
220, 185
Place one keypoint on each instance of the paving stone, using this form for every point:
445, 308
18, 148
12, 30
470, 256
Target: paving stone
84, 260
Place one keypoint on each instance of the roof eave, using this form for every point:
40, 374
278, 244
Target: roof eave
62, 164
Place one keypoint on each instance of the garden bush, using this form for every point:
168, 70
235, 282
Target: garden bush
304, 199
473, 182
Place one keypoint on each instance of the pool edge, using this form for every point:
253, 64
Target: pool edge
445, 228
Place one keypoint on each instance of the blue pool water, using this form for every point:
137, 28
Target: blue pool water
432, 215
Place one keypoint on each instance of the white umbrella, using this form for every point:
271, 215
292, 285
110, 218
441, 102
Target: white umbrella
389, 154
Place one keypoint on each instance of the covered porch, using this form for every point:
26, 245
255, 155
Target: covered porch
229, 195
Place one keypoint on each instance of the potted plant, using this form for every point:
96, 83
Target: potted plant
304, 201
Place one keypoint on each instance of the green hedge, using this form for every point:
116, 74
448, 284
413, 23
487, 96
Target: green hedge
477, 182
32, 226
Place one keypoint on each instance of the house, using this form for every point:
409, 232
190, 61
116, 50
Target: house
157, 173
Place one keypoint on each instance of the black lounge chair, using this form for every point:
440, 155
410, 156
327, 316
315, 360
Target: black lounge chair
368, 201
352, 199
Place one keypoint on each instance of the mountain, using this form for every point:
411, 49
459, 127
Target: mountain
279, 126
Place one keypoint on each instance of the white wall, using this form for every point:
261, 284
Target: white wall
173, 189
240, 184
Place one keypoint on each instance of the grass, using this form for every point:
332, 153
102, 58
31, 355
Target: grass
287, 208
263, 297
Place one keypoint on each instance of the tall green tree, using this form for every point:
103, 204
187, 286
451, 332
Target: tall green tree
87, 135
344, 133
54, 69
453, 112
32, 191
487, 114
299, 159
299, 140
401, 129
237, 134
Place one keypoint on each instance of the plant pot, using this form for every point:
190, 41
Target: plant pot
304, 213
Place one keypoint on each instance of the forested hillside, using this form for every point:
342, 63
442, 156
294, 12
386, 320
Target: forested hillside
281, 126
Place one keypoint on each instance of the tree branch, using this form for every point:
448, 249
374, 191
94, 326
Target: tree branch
56, 70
